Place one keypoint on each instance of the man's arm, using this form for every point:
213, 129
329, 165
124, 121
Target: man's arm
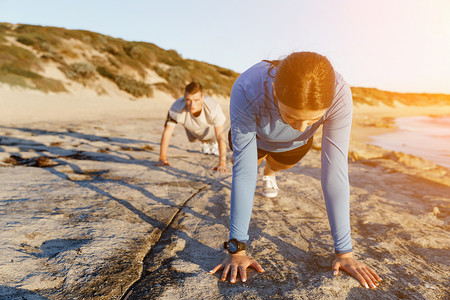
165, 139
220, 137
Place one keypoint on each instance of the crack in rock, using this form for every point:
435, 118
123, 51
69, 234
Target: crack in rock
129, 291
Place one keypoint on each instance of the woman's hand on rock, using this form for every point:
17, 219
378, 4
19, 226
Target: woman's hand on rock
365, 275
220, 168
235, 263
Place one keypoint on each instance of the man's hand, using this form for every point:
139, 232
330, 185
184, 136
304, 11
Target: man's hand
234, 263
162, 162
365, 275
221, 167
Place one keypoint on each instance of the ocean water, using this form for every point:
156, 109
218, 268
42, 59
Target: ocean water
427, 137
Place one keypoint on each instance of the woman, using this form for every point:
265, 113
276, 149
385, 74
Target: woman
275, 109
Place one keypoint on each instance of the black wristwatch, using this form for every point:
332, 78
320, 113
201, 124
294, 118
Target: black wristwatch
233, 246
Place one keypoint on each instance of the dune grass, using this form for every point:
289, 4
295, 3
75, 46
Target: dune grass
19, 67
127, 64
120, 55
126, 83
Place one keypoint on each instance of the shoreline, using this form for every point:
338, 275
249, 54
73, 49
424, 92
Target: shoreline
372, 122
420, 136
377, 120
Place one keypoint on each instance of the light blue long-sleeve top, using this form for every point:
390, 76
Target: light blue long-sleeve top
256, 123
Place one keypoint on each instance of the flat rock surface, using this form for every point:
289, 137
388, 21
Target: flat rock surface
86, 214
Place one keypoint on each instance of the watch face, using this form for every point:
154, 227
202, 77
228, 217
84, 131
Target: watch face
232, 247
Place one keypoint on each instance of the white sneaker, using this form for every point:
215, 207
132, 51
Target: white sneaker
270, 188
206, 148
215, 149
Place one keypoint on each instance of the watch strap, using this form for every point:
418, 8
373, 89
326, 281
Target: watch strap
239, 245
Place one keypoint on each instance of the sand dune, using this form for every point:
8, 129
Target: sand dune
86, 213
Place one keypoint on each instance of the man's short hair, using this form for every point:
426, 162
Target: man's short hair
193, 88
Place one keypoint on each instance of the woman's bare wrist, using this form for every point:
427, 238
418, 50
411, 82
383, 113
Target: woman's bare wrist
345, 255
241, 252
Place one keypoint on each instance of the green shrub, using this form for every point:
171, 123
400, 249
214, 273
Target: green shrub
88, 37
18, 53
178, 76
19, 71
40, 83
161, 72
16, 58
56, 57
165, 87
105, 72
49, 85
134, 87
78, 71
2, 37
170, 57
113, 62
26, 40
226, 72
4, 27
139, 53
41, 36
13, 79
111, 49
83, 69
127, 84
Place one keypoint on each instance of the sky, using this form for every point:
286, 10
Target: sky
394, 45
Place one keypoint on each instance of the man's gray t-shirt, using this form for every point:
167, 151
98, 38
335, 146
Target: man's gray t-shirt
202, 126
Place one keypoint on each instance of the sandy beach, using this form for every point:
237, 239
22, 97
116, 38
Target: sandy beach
86, 214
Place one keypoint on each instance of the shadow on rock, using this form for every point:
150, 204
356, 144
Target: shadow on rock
11, 293
51, 248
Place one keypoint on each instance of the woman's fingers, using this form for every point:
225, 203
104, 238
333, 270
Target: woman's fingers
225, 272
374, 274
354, 272
233, 274
369, 275
216, 268
243, 273
373, 281
234, 264
365, 273
257, 266
336, 267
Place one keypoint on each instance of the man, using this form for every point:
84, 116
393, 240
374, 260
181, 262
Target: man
203, 120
